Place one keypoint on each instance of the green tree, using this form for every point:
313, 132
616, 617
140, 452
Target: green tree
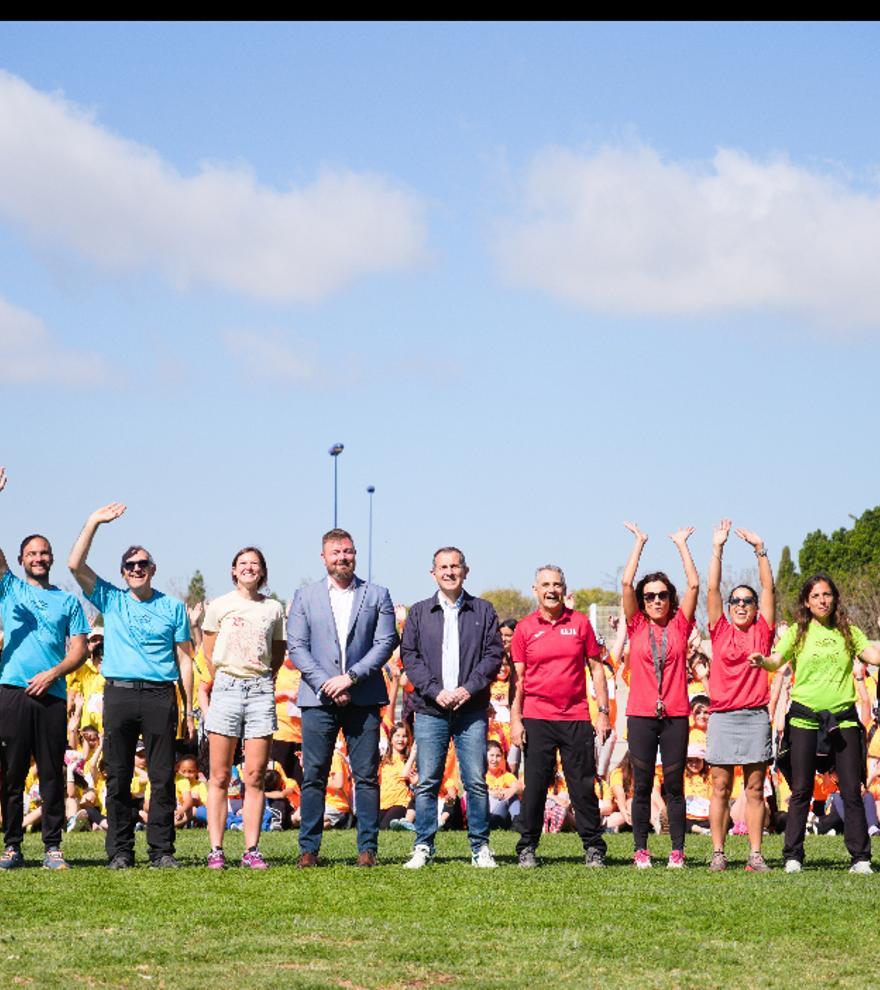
788, 583
585, 597
509, 603
196, 591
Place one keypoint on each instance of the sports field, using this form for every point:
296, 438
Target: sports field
448, 925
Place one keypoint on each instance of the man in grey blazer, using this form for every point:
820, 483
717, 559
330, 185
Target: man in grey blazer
340, 633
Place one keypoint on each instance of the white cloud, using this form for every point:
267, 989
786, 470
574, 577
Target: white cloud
623, 231
29, 355
67, 180
267, 354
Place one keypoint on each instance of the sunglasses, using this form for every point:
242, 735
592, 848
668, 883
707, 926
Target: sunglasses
656, 596
137, 565
748, 600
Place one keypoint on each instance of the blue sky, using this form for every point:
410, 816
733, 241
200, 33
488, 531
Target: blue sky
538, 279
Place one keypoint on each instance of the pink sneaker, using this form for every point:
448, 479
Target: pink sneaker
216, 860
642, 859
676, 860
253, 860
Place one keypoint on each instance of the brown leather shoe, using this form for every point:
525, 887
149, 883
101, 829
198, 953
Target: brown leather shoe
307, 860
367, 858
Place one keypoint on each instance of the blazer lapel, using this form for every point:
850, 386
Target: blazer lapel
360, 592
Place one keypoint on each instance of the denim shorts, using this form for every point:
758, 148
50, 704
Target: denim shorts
242, 707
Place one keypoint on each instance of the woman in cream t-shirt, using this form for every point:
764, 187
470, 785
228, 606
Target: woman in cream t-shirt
244, 645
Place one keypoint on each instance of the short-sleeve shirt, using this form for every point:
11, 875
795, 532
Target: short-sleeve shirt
37, 623
823, 669
643, 680
554, 654
733, 682
139, 637
245, 631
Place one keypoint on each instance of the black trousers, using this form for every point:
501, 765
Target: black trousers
130, 712
644, 736
32, 727
848, 763
575, 742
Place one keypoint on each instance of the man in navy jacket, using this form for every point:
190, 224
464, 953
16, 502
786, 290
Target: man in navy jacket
451, 652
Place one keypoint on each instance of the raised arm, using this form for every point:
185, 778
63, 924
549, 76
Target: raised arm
4, 567
85, 576
714, 604
630, 602
765, 575
689, 598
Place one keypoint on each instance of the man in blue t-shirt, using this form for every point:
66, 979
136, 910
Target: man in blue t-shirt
146, 649
44, 632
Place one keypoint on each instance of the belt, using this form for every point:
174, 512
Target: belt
139, 685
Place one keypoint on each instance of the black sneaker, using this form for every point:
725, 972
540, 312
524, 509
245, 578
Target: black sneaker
527, 858
121, 862
164, 862
594, 858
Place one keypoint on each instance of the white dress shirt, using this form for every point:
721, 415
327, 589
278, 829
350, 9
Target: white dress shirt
451, 665
341, 601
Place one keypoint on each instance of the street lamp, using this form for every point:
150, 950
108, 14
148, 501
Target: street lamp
370, 490
334, 452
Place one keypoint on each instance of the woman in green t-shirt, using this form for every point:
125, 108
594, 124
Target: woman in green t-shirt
821, 648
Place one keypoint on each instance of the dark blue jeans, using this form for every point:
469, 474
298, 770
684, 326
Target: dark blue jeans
432, 735
320, 727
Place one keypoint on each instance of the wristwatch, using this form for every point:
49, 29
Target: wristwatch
604, 709
353, 677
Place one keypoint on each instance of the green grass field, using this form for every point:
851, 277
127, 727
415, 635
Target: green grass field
448, 925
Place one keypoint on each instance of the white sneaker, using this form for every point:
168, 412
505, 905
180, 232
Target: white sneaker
421, 856
863, 867
483, 858
792, 866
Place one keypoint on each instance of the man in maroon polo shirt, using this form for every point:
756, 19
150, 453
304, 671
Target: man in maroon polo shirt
550, 712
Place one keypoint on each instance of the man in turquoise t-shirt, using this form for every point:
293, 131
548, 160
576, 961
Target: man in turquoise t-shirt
146, 648
44, 632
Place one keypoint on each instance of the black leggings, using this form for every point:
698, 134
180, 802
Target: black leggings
645, 735
848, 763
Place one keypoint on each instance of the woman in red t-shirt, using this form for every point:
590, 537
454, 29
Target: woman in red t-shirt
657, 710
739, 725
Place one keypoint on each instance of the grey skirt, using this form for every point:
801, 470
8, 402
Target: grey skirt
739, 737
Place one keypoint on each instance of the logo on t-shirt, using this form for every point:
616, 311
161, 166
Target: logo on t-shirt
568, 632
539, 633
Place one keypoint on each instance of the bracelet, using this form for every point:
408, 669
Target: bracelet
761, 553
190, 714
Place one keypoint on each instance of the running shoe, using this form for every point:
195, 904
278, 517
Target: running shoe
164, 862
594, 858
483, 858
11, 859
792, 866
216, 860
421, 856
718, 862
756, 864
642, 859
253, 859
676, 860
527, 858
863, 867
53, 860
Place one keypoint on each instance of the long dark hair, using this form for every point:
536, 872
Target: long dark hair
670, 587
838, 618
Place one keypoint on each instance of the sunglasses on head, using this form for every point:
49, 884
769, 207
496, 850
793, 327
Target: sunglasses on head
743, 600
135, 565
658, 596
